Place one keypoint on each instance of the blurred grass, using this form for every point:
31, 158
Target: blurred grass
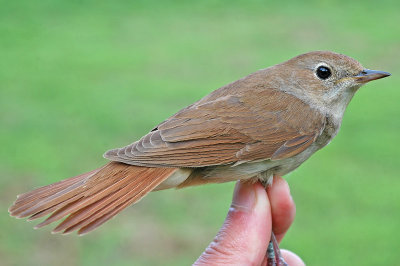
80, 77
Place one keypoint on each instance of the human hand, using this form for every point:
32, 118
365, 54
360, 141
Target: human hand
246, 232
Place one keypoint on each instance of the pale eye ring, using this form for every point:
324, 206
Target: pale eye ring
323, 72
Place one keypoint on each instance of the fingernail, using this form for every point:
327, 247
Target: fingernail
244, 197
282, 182
287, 187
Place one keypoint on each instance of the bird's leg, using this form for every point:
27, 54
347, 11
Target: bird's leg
271, 261
274, 257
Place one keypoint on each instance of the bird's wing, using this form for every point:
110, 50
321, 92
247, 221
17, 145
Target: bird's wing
239, 127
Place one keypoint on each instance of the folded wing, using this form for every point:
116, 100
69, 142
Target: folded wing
225, 129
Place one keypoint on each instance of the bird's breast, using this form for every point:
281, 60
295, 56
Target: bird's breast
332, 126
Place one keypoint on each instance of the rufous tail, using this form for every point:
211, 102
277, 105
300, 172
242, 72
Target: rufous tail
90, 199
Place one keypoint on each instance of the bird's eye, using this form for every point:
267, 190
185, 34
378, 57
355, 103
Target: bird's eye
323, 72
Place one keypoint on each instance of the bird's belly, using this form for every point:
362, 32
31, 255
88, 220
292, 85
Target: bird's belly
261, 169
175, 179
285, 166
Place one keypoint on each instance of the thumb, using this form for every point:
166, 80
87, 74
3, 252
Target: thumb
244, 237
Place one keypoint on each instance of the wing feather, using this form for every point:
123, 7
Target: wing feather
225, 128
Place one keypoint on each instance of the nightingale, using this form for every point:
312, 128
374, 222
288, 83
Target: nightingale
267, 123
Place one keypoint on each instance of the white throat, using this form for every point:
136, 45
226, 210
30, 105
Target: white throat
336, 102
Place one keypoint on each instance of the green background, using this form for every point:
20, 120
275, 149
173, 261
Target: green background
80, 77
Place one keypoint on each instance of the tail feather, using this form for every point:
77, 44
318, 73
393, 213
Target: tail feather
62, 197
104, 211
95, 203
89, 199
79, 204
29, 199
49, 189
96, 223
52, 210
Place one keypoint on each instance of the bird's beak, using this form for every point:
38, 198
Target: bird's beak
368, 75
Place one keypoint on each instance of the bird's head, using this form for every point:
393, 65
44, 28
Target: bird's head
326, 79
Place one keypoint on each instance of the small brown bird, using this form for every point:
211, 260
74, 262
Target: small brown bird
265, 124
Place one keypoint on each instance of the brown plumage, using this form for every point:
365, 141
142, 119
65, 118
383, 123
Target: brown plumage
226, 130
89, 199
265, 124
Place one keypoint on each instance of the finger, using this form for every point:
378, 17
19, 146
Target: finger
244, 236
291, 258
282, 207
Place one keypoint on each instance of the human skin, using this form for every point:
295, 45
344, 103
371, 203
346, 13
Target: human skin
245, 234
